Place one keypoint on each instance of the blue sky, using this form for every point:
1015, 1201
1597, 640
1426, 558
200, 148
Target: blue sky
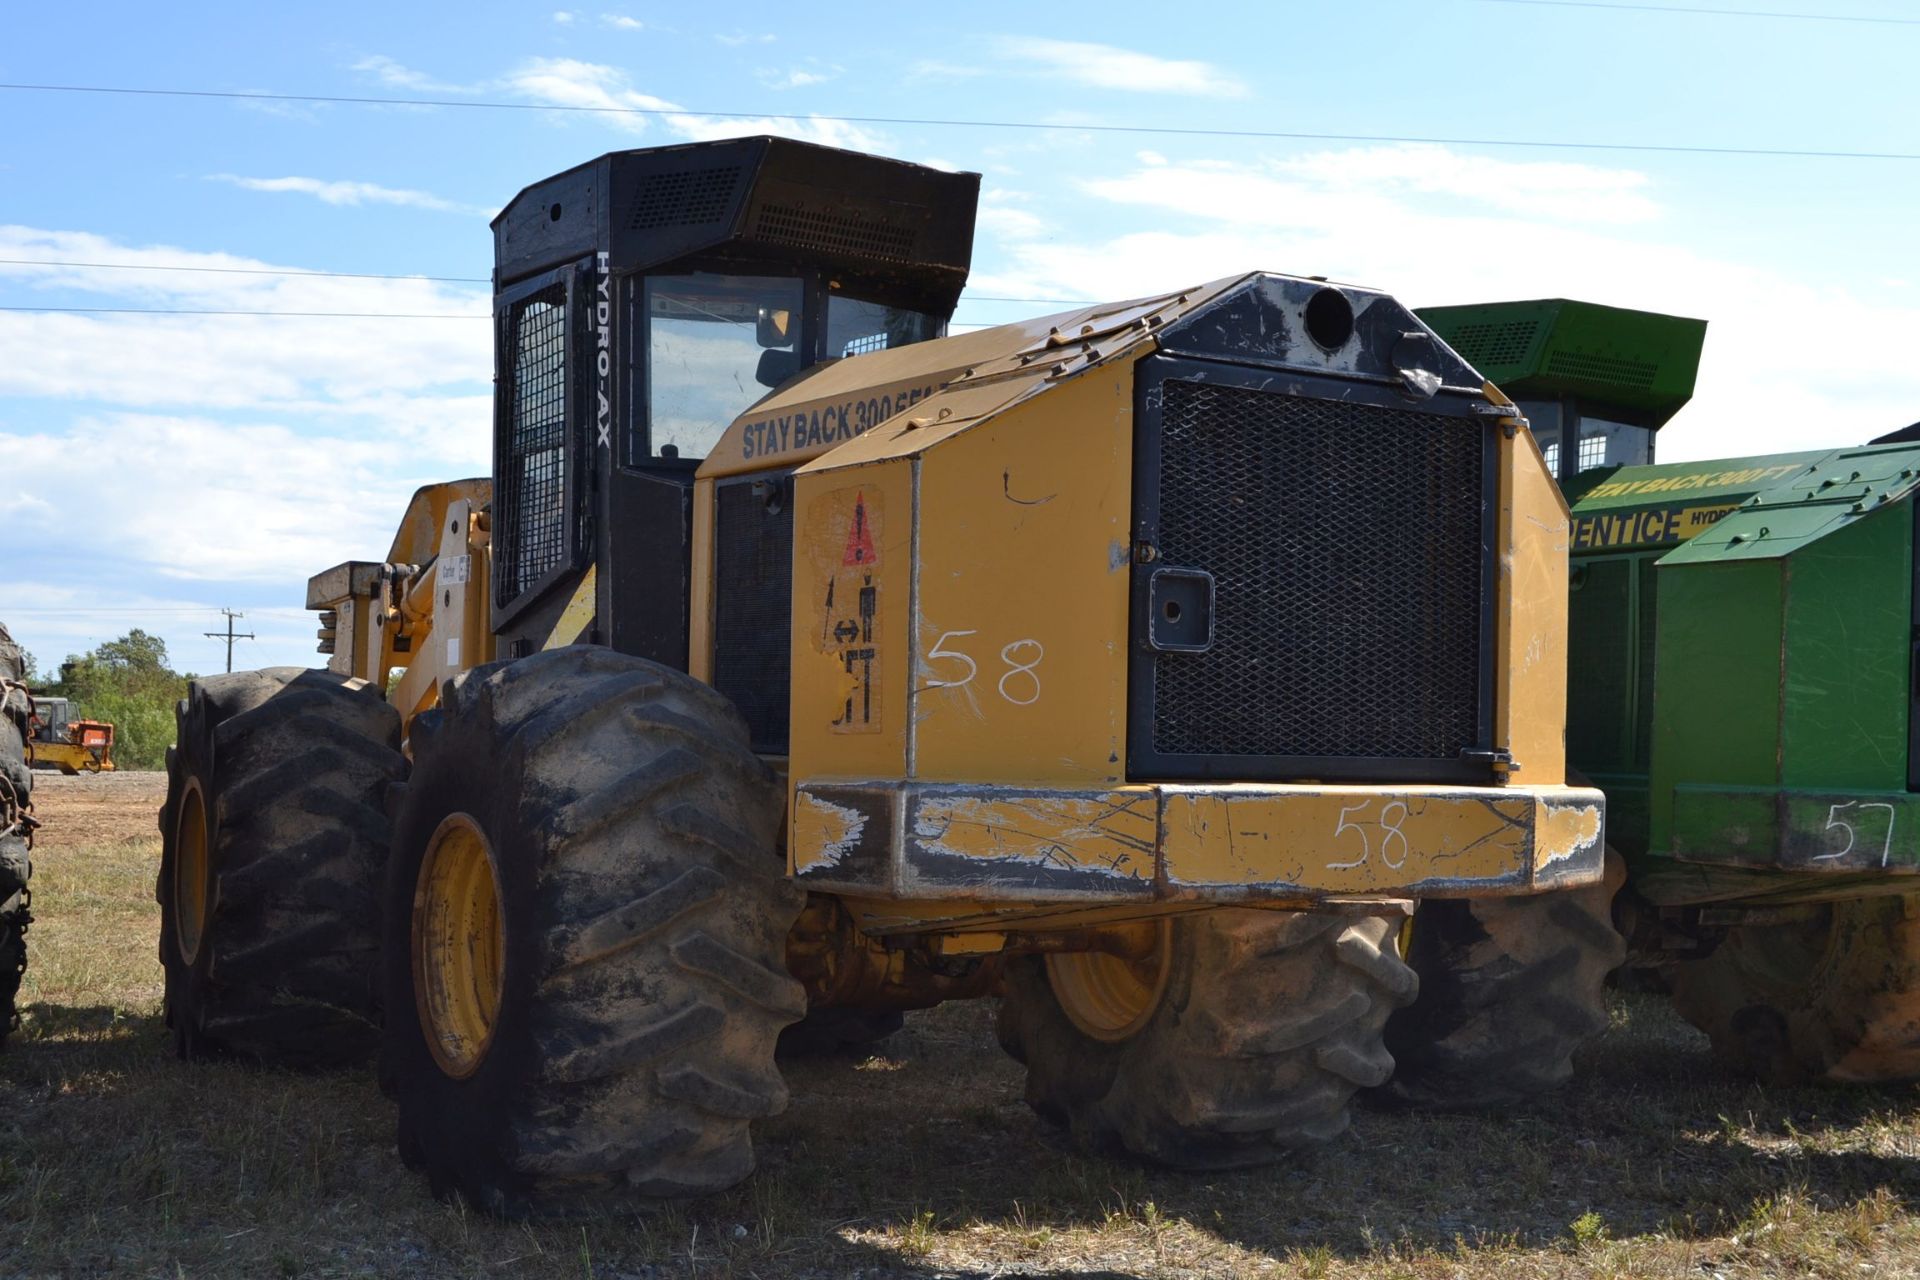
159, 467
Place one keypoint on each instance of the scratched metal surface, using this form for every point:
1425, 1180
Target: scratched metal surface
1185, 844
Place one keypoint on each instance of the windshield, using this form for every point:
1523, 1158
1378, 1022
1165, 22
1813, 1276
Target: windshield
715, 345
855, 327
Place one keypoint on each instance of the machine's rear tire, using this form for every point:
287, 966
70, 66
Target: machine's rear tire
1510, 989
1265, 1025
619, 1038
1834, 996
16, 794
272, 837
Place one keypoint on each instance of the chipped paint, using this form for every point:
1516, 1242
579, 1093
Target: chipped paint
1348, 839
1269, 843
1565, 832
825, 831
1111, 834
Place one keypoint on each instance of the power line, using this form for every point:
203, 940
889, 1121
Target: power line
1718, 13
1028, 125
371, 275
137, 612
199, 311
231, 635
237, 271
329, 315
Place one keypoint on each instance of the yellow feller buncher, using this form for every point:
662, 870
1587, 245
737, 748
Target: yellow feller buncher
59, 741
799, 665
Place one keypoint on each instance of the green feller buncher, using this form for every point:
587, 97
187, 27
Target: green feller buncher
1745, 636
799, 663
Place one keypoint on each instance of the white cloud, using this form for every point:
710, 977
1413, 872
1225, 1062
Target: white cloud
1363, 181
349, 193
622, 22
572, 83
999, 216
737, 38
568, 82
1551, 189
393, 75
1010, 224
1104, 66
392, 376
564, 17
54, 616
1379, 216
181, 488
793, 78
231, 456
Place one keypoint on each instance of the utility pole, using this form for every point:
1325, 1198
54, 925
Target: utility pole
229, 635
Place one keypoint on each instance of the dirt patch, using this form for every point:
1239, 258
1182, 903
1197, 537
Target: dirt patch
96, 808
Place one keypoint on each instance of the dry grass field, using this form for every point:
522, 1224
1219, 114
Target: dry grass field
921, 1162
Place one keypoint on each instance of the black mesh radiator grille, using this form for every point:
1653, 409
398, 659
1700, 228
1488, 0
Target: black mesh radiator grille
753, 602
530, 473
834, 232
1346, 544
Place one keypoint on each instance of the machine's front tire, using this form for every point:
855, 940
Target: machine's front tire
1264, 1026
1510, 989
16, 794
598, 1024
1834, 995
273, 834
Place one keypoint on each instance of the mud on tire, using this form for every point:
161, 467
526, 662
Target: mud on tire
644, 914
269, 932
1510, 989
16, 794
1268, 1024
1833, 995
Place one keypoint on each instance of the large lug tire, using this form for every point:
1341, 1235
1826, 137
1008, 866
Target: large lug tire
1834, 995
1510, 989
1267, 1023
273, 836
16, 796
616, 1037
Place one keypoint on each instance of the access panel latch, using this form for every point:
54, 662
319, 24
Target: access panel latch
1180, 610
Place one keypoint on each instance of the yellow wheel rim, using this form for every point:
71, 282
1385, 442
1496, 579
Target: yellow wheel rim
1111, 996
191, 881
459, 951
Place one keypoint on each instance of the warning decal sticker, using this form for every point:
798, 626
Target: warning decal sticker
860, 537
849, 603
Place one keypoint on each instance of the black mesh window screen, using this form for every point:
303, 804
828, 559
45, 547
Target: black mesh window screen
530, 502
1346, 545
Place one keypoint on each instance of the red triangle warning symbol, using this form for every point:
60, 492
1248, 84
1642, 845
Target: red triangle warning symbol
860, 537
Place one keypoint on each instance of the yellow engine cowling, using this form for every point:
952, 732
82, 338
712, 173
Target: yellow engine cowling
964, 546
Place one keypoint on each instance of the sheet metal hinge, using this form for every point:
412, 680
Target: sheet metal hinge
1498, 759
1512, 418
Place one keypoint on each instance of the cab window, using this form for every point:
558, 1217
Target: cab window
855, 327
715, 345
